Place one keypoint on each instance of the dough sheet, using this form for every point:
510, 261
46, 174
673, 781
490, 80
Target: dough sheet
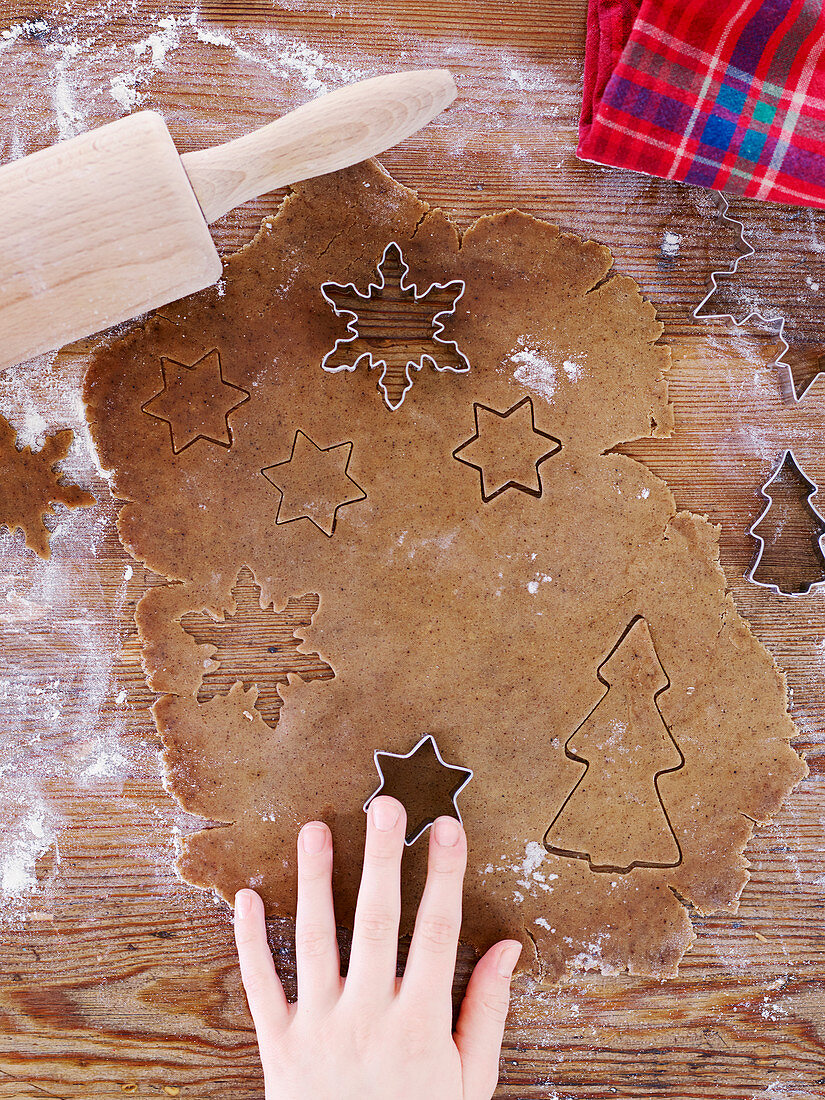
352, 565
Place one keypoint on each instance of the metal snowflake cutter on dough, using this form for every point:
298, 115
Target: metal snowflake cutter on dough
353, 322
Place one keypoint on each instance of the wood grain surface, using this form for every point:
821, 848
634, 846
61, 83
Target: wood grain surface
117, 979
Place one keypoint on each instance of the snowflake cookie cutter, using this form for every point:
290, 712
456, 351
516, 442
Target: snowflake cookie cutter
352, 327
421, 827
749, 575
776, 324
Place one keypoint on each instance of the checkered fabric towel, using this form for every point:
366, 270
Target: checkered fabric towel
728, 94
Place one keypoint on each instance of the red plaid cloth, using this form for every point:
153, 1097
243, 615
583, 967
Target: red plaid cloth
728, 94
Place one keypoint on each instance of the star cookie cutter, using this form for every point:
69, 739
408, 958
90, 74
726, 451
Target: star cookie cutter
788, 454
352, 327
456, 791
746, 250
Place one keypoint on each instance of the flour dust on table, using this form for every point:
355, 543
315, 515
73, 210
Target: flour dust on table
66, 738
475, 562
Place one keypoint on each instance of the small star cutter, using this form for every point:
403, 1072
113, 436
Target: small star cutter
749, 576
467, 772
352, 327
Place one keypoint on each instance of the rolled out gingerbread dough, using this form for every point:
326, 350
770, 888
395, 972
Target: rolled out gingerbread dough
472, 561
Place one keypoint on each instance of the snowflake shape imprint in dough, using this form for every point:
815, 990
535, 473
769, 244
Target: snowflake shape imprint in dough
254, 644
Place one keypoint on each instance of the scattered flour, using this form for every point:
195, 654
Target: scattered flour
526, 870
590, 958
534, 370
670, 244
63, 725
539, 373
299, 59
213, 38
106, 59
27, 836
123, 89
101, 53
165, 39
772, 1010
68, 116
29, 28
541, 578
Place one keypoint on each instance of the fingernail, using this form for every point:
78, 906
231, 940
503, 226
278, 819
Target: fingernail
385, 814
313, 838
447, 831
243, 903
508, 958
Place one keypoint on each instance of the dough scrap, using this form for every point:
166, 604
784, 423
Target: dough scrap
476, 601
30, 484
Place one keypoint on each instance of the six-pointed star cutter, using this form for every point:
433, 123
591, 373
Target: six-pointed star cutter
456, 791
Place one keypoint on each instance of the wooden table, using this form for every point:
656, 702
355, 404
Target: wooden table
117, 979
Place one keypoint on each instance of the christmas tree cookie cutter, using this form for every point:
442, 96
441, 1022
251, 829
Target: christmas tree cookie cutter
787, 458
419, 822
353, 322
777, 324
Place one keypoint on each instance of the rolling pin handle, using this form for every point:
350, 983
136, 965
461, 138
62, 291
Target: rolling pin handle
328, 133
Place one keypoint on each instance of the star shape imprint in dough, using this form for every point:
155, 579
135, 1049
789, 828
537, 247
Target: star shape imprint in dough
195, 401
507, 449
423, 782
314, 483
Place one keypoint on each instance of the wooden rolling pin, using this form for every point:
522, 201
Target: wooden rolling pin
114, 222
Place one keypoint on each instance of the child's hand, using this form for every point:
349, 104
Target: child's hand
371, 1036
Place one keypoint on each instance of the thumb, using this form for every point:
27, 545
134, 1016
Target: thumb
480, 1027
